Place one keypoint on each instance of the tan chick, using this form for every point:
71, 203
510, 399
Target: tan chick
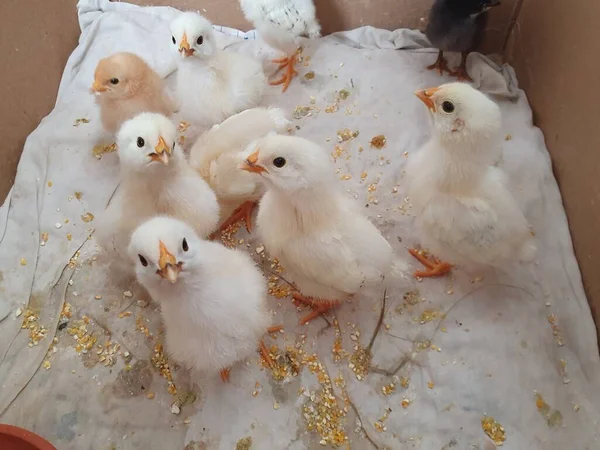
125, 86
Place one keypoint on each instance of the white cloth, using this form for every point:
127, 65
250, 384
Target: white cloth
496, 343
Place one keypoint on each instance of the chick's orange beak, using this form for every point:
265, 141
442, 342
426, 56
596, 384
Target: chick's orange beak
250, 165
161, 152
184, 46
98, 87
425, 96
169, 268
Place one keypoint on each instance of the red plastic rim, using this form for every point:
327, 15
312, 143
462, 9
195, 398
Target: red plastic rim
26, 436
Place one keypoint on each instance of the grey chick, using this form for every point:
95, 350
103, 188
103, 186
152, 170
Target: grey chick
457, 26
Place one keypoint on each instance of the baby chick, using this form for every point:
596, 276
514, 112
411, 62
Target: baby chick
463, 207
156, 179
218, 153
212, 84
457, 26
280, 23
317, 232
126, 86
213, 299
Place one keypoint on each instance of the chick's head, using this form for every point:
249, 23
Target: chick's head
288, 163
163, 250
192, 36
461, 114
146, 141
120, 76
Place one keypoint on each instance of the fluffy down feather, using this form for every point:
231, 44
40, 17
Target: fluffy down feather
464, 210
319, 234
212, 84
214, 307
125, 85
155, 179
219, 152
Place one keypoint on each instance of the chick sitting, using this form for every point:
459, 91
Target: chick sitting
212, 84
213, 299
461, 201
125, 87
155, 179
457, 26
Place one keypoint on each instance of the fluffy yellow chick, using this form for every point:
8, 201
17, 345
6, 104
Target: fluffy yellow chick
218, 153
320, 236
125, 85
463, 207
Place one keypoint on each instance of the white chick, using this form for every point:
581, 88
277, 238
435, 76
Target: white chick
320, 236
464, 210
280, 23
155, 179
213, 299
218, 153
212, 84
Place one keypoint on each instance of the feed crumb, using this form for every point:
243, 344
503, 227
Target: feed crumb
100, 149
430, 385
23, 262
346, 177
18, 312
493, 429
150, 395
69, 236
404, 381
127, 294
309, 75
406, 403
87, 217
346, 135
78, 195
175, 409
80, 121
378, 142
46, 365
49, 183
388, 389
508, 137
182, 126
45, 237
244, 443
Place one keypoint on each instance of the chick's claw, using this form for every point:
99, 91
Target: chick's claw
435, 267
440, 65
287, 63
242, 212
265, 354
319, 307
225, 375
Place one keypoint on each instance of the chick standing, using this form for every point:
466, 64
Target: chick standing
155, 179
125, 87
457, 26
318, 234
212, 84
213, 299
463, 207
280, 23
218, 153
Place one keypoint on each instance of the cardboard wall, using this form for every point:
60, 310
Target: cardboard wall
554, 49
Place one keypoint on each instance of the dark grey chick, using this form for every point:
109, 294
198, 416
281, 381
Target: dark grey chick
457, 26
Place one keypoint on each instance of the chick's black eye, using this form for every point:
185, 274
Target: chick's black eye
200, 40
279, 162
448, 107
140, 142
114, 81
143, 261
173, 39
185, 245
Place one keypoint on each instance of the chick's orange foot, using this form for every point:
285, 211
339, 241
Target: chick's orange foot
225, 375
435, 267
242, 212
440, 65
265, 354
288, 64
319, 307
461, 72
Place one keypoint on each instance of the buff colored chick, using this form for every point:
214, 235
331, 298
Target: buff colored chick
463, 207
155, 179
280, 23
327, 246
213, 299
125, 86
218, 153
212, 84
